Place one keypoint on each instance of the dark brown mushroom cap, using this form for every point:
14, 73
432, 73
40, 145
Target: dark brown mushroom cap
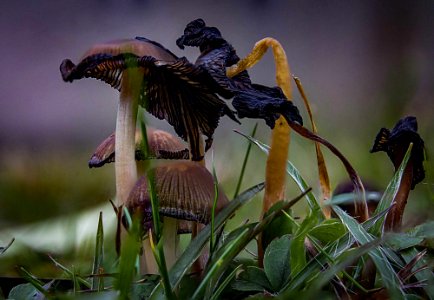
395, 143
185, 191
162, 145
173, 88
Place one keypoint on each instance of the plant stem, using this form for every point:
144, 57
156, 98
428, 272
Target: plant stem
394, 217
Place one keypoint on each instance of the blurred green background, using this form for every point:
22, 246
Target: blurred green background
363, 64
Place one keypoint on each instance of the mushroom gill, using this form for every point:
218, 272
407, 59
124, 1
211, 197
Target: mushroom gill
162, 145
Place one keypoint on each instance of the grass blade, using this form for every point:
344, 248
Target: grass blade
224, 284
246, 158
39, 285
291, 170
76, 279
219, 264
192, 252
97, 281
390, 279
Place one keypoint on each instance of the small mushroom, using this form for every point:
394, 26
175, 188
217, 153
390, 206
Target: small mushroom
114, 63
395, 143
162, 145
185, 191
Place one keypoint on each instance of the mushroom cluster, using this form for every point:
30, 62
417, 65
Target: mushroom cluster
188, 97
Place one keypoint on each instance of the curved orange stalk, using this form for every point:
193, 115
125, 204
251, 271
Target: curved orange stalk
322, 168
275, 175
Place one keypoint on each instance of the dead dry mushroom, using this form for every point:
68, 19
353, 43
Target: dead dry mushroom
162, 145
395, 143
185, 191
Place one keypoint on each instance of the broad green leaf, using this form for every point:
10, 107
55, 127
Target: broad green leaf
193, 250
280, 226
390, 192
328, 231
97, 281
253, 279
389, 277
276, 262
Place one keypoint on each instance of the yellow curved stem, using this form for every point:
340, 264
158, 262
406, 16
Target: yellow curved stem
275, 174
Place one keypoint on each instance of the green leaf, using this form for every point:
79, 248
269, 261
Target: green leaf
390, 279
425, 230
127, 260
225, 255
280, 225
97, 281
326, 255
390, 192
400, 241
328, 231
253, 279
298, 250
193, 250
276, 262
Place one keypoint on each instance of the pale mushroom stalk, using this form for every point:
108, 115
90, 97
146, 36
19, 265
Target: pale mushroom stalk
125, 164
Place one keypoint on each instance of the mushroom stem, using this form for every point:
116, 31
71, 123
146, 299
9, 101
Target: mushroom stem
148, 264
394, 217
125, 164
171, 240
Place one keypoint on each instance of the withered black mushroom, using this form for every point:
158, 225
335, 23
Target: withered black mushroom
395, 143
162, 145
249, 100
185, 191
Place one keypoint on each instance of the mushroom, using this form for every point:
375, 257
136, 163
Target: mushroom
162, 145
114, 63
395, 143
168, 87
185, 191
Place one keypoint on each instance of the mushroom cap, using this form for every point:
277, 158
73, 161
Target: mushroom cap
395, 143
162, 145
173, 88
185, 191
